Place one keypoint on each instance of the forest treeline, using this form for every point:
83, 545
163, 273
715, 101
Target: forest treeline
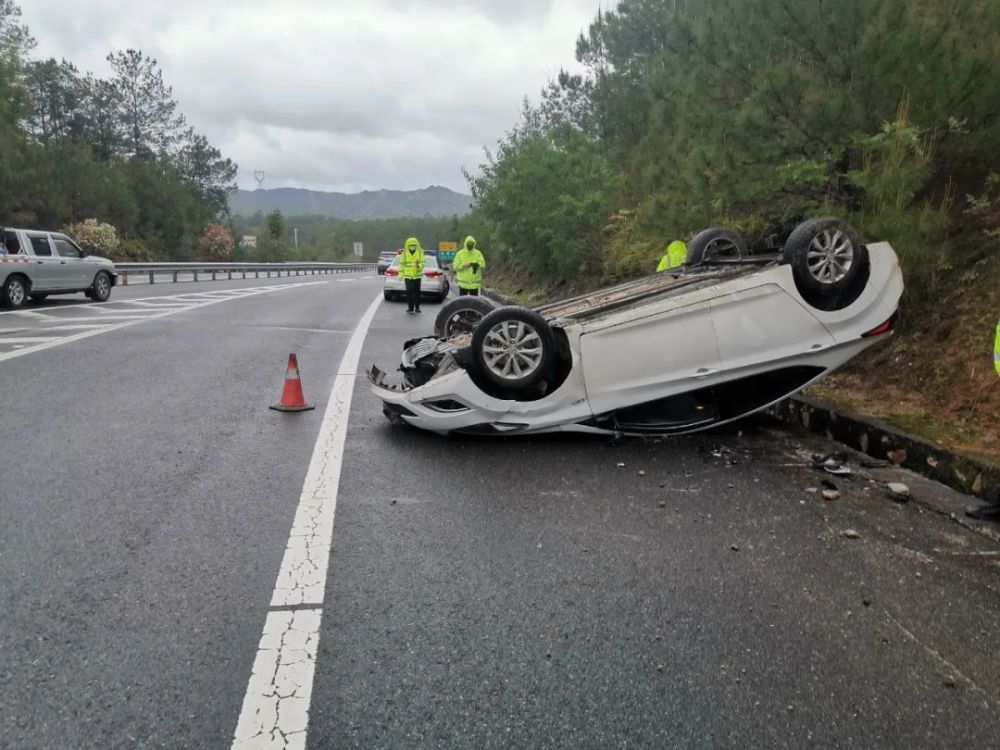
755, 114
76, 146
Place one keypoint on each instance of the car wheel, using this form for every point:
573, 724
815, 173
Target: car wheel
388, 296
716, 245
14, 292
513, 347
461, 315
829, 263
101, 290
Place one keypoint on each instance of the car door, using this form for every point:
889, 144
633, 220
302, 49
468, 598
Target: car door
648, 354
45, 269
761, 326
73, 269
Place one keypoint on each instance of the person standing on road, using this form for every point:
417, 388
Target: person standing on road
411, 268
675, 257
469, 264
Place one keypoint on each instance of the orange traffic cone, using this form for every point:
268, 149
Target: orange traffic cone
292, 398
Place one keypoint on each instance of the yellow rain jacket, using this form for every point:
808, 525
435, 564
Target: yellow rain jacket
412, 260
676, 256
996, 350
467, 257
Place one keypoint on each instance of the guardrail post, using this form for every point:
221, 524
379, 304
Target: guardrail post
124, 278
175, 277
244, 273
152, 280
230, 275
195, 275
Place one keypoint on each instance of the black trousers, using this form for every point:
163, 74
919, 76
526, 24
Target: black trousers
412, 294
470, 292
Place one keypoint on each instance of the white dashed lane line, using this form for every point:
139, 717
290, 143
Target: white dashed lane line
275, 711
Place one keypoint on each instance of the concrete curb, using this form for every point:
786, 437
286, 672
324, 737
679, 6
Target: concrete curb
972, 476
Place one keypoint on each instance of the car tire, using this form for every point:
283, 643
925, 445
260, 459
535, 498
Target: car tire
462, 315
513, 348
830, 265
14, 292
100, 291
715, 245
388, 296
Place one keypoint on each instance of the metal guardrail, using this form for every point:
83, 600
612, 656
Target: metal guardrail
194, 269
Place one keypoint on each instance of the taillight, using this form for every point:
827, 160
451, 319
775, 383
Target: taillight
884, 328
432, 274
391, 272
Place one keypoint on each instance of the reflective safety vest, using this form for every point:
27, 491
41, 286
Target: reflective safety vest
996, 350
469, 278
412, 260
675, 257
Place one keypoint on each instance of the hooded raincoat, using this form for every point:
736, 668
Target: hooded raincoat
469, 264
412, 260
676, 256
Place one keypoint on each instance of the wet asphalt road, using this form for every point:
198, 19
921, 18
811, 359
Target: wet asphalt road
528, 593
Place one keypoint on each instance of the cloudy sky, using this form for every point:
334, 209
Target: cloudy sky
333, 94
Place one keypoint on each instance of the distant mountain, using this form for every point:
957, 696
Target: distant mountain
371, 204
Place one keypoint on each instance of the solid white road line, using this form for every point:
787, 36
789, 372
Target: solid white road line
27, 339
275, 711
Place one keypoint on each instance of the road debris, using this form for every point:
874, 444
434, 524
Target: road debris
642, 473
873, 463
621, 464
831, 494
833, 463
734, 547
898, 492
850, 534
950, 681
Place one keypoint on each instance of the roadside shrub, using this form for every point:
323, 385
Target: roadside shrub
216, 243
95, 237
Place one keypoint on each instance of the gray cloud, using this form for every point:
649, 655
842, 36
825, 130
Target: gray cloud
335, 95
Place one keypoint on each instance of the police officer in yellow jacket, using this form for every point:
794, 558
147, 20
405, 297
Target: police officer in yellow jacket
411, 267
675, 257
469, 264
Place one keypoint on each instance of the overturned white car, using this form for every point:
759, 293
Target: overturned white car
728, 335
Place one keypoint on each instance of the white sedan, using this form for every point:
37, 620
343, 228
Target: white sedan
433, 285
668, 354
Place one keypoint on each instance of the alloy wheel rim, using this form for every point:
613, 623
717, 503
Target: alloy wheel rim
830, 257
102, 286
15, 292
513, 350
